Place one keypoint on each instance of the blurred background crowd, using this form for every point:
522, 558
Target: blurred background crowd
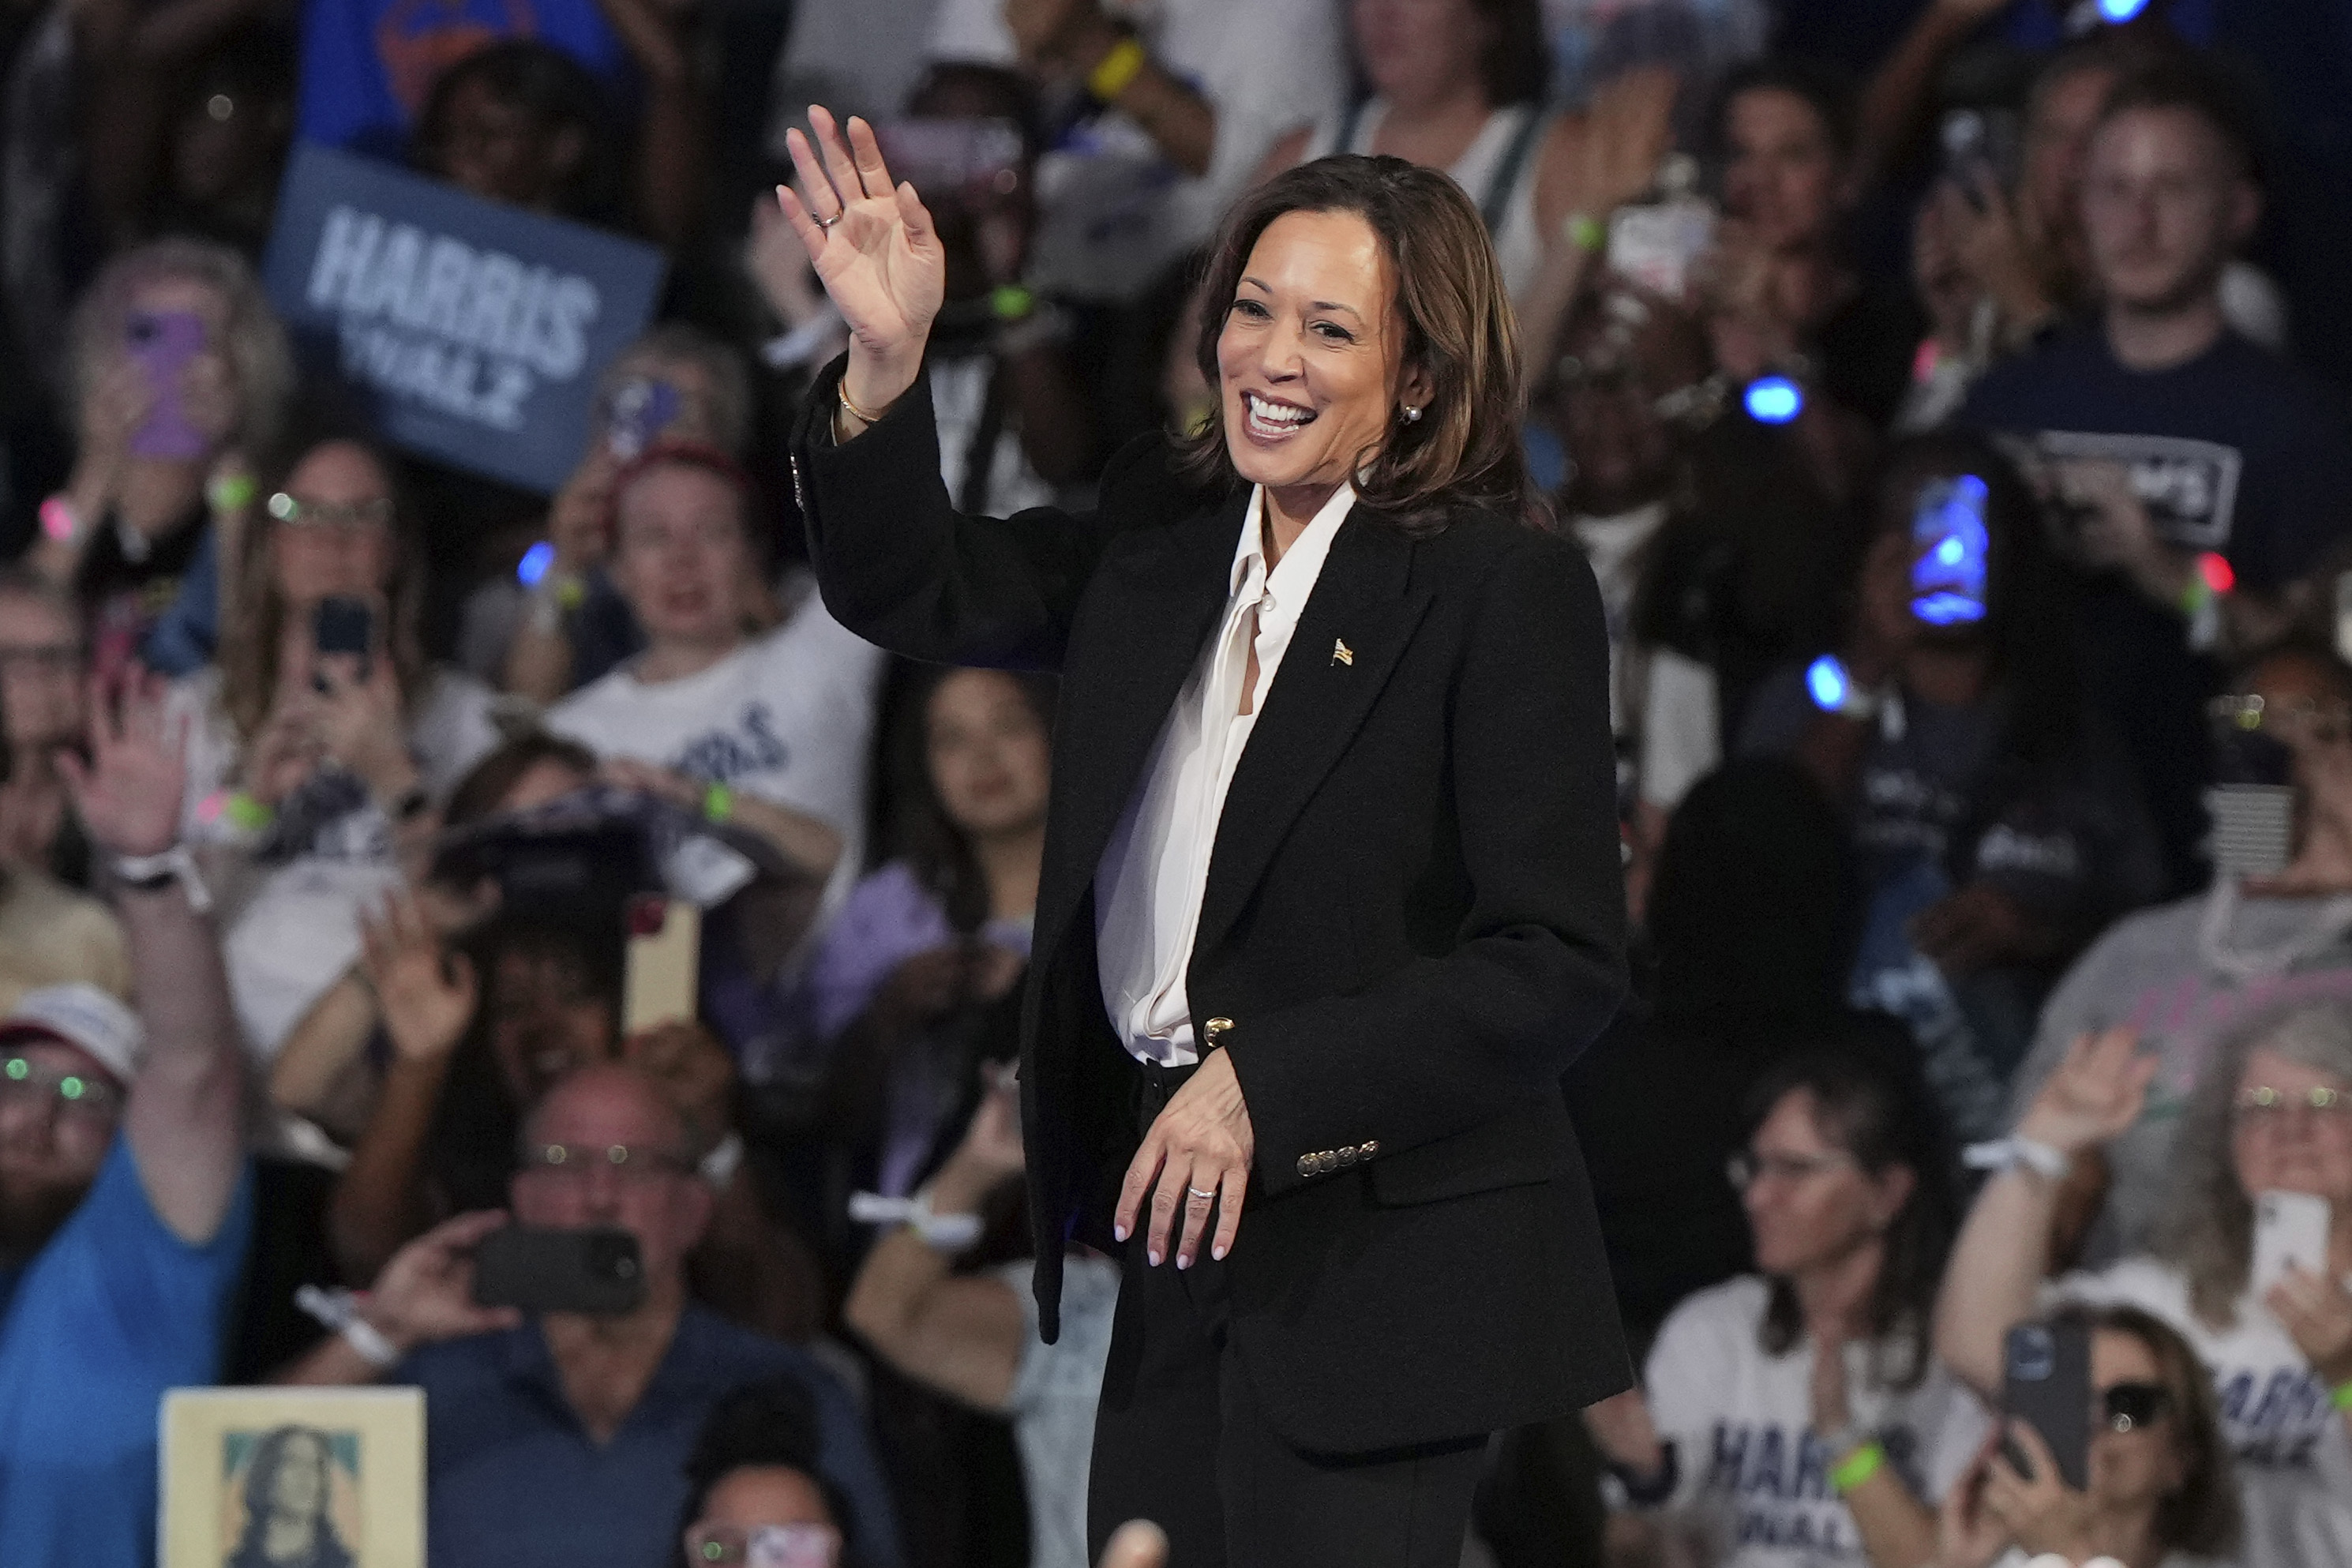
1947, 393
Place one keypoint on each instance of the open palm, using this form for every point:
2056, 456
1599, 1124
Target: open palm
128, 794
873, 244
2096, 1095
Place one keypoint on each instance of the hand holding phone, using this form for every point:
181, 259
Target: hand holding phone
664, 955
594, 1270
2046, 1384
1949, 533
2290, 1229
163, 343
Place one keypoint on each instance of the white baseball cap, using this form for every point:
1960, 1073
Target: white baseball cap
81, 1014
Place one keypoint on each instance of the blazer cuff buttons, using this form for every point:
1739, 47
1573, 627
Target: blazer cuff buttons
1330, 1159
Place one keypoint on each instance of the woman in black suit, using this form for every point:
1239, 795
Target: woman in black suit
1330, 893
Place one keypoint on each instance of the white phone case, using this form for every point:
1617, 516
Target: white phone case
2289, 1229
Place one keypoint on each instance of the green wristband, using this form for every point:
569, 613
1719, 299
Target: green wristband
1586, 233
1858, 1467
718, 803
248, 814
2342, 1396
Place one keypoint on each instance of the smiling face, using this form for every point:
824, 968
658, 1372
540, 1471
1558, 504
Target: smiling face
1782, 172
299, 1487
51, 1146
1309, 359
988, 753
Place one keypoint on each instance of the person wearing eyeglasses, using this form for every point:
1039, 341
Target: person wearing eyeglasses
563, 1439
126, 1197
2186, 972
43, 669
757, 1499
2161, 1489
1796, 1415
308, 769
2271, 1114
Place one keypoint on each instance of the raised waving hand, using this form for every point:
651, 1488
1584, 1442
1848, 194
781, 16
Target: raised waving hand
874, 249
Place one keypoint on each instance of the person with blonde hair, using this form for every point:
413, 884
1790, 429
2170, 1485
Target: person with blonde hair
2271, 1114
180, 376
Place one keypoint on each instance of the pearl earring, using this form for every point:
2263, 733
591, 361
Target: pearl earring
1411, 414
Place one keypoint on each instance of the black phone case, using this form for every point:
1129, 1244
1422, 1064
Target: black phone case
593, 1271
345, 627
2046, 1382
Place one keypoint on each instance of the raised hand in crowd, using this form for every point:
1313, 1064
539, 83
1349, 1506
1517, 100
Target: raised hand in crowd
128, 794
1619, 140
426, 993
2097, 1093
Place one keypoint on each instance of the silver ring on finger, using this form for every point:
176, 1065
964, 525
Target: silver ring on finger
1197, 1193
828, 221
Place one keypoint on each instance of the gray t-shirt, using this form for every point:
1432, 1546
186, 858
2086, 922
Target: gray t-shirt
1053, 1404
2157, 972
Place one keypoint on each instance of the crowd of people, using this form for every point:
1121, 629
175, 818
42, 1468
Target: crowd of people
1946, 395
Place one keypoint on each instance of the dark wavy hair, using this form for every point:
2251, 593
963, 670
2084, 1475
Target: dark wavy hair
2204, 1518
940, 852
769, 1424
261, 1482
1872, 1101
1458, 328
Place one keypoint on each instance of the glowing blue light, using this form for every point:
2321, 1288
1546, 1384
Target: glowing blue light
1826, 679
534, 564
1950, 552
1947, 609
1774, 400
2121, 10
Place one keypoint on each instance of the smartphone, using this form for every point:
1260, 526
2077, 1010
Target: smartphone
665, 954
972, 159
2046, 1384
2289, 1229
163, 343
596, 1270
642, 407
341, 625
1948, 530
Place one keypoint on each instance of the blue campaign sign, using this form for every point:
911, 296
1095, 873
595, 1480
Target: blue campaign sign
477, 330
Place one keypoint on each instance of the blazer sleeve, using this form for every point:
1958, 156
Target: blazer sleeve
898, 565
1452, 1041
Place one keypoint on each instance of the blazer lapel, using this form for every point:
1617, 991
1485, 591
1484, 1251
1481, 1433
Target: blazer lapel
1156, 599
1357, 622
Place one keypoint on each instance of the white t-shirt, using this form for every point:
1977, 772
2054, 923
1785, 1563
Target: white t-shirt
788, 717
2295, 1457
1113, 211
1053, 1404
300, 931
1749, 1472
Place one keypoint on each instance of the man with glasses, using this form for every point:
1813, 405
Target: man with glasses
125, 1202
43, 665
564, 1439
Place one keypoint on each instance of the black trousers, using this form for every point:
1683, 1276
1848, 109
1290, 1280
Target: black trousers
1179, 1440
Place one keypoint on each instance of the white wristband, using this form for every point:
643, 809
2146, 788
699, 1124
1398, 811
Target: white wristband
176, 861
940, 1232
368, 1339
2009, 1153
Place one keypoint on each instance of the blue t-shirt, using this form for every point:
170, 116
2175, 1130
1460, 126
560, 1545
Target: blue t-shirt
114, 1310
513, 1480
368, 66
2234, 451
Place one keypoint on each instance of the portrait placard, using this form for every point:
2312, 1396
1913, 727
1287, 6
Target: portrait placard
477, 330
275, 1478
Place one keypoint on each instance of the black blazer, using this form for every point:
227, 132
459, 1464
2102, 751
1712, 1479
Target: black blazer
1415, 914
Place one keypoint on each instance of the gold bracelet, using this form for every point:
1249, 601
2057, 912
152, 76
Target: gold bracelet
851, 408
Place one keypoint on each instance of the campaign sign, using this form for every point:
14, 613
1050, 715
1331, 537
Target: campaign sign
477, 330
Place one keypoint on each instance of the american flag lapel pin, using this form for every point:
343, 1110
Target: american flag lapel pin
1342, 654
